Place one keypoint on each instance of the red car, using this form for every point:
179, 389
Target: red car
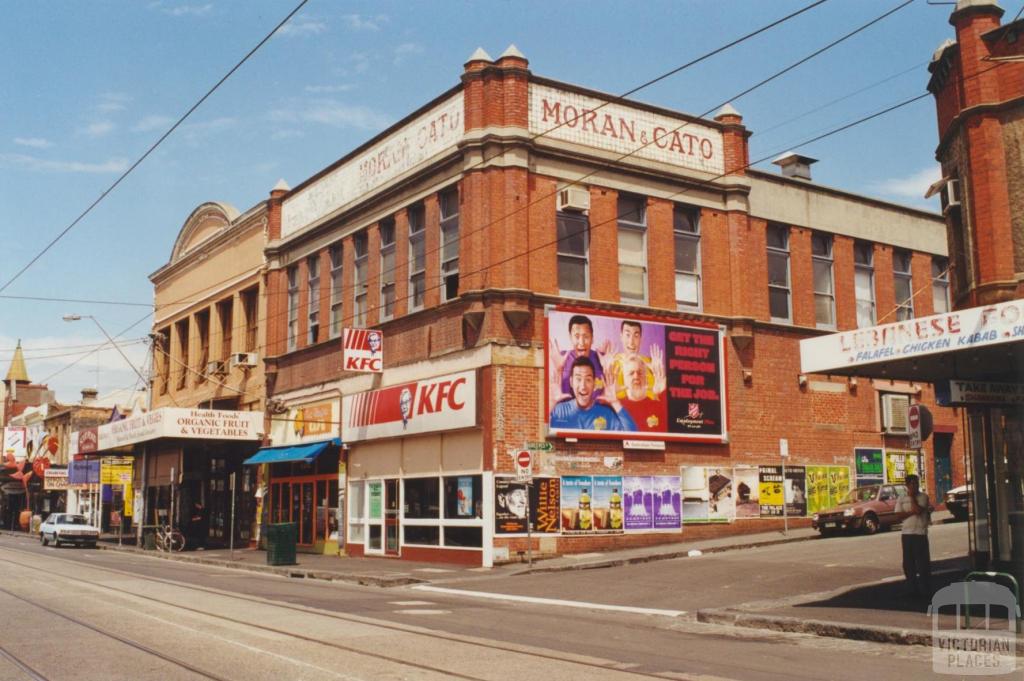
867, 509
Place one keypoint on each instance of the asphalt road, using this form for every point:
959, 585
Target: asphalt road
232, 624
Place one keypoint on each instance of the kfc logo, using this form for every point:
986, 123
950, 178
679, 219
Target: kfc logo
363, 350
441, 403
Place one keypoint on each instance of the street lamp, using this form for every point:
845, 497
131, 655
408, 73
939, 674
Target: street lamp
78, 317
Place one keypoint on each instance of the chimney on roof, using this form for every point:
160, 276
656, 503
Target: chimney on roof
89, 395
795, 165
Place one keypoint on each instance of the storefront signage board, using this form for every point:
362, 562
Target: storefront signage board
178, 422
306, 422
956, 393
14, 443
429, 405
55, 479
363, 351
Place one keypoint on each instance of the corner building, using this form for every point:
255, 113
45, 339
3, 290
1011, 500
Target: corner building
474, 231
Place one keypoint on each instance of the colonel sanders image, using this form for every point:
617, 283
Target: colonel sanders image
405, 405
373, 340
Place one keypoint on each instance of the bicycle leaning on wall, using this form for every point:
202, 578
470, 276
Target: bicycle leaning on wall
169, 538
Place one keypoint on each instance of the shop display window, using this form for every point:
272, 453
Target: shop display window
469, 537
463, 496
422, 498
417, 534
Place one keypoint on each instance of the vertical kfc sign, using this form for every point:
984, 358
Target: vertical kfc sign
363, 351
442, 403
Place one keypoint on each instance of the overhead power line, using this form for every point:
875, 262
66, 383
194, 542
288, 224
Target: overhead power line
149, 151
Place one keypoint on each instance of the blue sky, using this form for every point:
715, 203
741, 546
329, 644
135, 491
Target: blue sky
88, 86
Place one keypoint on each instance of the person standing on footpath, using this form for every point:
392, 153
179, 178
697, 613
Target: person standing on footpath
913, 509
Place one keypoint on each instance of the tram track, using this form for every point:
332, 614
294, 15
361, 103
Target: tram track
21, 665
451, 638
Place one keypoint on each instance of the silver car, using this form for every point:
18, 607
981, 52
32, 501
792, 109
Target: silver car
68, 528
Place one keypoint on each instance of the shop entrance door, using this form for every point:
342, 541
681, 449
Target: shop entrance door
943, 469
391, 509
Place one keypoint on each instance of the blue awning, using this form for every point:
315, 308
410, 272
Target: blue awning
305, 453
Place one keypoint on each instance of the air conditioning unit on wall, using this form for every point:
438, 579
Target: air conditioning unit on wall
215, 368
245, 360
894, 414
576, 199
951, 195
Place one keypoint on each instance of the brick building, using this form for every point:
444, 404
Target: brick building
973, 355
473, 232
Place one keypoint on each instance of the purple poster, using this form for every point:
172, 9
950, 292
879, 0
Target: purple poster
638, 502
667, 513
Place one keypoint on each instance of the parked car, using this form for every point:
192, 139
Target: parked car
867, 509
956, 502
68, 528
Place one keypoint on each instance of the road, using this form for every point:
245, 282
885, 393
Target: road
85, 614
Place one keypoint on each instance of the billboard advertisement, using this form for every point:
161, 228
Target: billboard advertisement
363, 350
900, 464
770, 491
511, 498
630, 378
747, 486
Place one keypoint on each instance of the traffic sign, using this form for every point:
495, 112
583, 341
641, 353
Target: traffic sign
524, 465
914, 423
540, 446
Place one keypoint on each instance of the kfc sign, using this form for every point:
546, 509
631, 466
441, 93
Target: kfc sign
363, 350
442, 403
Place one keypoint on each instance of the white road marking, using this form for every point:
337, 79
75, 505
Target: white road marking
423, 612
410, 603
831, 564
551, 601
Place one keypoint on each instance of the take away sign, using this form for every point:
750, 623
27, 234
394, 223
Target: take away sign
432, 404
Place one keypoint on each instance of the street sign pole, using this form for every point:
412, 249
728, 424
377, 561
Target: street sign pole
231, 540
783, 453
524, 474
529, 533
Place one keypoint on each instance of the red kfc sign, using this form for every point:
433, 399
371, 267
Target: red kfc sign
442, 403
363, 350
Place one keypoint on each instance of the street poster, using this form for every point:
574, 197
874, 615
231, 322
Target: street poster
770, 484
900, 464
648, 379
748, 491
868, 462
695, 497
464, 497
667, 512
606, 502
826, 487
510, 499
577, 509
721, 497
638, 502
115, 470
796, 491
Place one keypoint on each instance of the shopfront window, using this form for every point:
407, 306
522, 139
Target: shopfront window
463, 497
422, 498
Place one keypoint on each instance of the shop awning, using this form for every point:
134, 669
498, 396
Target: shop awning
305, 453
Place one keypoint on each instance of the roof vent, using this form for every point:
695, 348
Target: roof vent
795, 165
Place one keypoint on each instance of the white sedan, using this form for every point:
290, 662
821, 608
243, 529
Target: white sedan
68, 528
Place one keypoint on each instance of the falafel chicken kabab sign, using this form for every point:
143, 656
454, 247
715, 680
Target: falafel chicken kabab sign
634, 378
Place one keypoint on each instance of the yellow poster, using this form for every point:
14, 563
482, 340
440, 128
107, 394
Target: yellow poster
129, 500
900, 464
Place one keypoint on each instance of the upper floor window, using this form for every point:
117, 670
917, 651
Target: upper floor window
180, 355
250, 307
417, 256
387, 268
449, 244
902, 285
293, 307
824, 284
313, 299
686, 226
573, 244
334, 253
225, 313
360, 244
940, 285
778, 273
632, 228
864, 282
203, 333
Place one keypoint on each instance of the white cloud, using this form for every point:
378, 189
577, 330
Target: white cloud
113, 101
98, 129
152, 123
286, 134
911, 186
184, 10
328, 89
333, 113
359, 22
34, 142
114, 165
303, 27
406, 50
360, 62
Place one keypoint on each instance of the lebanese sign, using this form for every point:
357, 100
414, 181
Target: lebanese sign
430, 134
952, 393
433, 404
629, 378
363, 350
178, 422
623, 129
306, 423
948, 332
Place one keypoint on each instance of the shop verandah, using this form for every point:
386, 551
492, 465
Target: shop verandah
975, 359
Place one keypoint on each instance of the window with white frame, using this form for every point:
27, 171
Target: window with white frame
449, 201
387, 268
443, 511
293, 307
632, 229
313, 299
824, 283
902, 284
864, 282
573, 244
686, 227
417, 256
361, 285
336, 298
940, 285
778, 273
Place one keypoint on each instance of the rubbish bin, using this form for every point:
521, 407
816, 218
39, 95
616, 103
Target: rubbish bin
281, 540
149, 538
